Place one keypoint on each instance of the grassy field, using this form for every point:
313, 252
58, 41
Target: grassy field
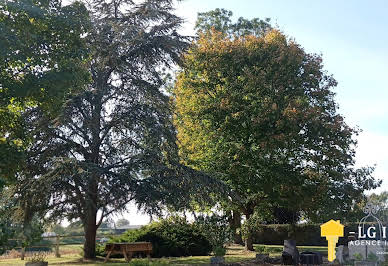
71, 255
322, 250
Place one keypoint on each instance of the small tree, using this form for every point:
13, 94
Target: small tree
216, 229
107, 223
122, 222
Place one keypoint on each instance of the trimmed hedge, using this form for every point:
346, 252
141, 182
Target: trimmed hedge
172, 237
44, 246
304, 234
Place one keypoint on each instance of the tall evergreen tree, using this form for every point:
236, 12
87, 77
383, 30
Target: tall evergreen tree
114, 142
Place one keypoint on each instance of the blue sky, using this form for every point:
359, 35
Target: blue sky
352, 37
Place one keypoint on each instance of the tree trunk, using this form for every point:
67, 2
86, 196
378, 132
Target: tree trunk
90, 230
27, 228
291, 233
90, 227
248, 238
249, 243
235, 225
90, 217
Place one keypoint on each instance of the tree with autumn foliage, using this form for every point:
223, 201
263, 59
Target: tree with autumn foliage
258, 112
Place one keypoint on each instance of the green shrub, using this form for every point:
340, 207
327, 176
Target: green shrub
100, 250
73, 240
172, 237
217, 231
43, 246
260, 249
12, 230
372, 256
358, 256
219, 251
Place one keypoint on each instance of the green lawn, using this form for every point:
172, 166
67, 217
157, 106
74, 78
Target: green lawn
234, 254
321, 249
76, 260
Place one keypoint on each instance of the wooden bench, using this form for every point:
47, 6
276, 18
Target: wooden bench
127, 249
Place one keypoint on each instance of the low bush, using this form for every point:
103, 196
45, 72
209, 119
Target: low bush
217, 231
219, 251
261, 249
72, 240
172, 237
100, 250
43, 245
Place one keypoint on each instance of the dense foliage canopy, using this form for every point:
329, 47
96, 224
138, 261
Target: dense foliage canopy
259, 112
42, 59
113, 142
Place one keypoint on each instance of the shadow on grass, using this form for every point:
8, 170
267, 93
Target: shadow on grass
235, 253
